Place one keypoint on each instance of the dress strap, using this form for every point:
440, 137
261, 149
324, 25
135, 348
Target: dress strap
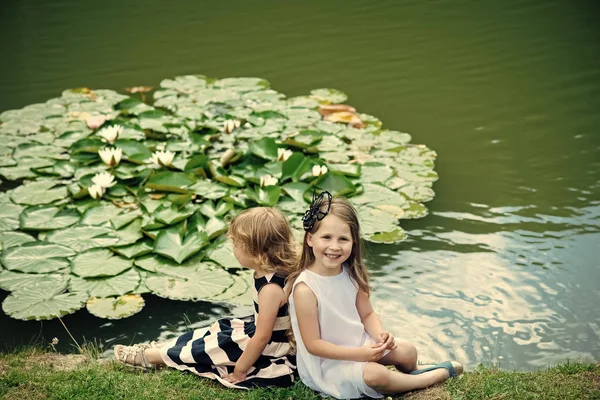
269, 278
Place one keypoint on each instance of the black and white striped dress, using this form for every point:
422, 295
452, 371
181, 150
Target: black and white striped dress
213, 353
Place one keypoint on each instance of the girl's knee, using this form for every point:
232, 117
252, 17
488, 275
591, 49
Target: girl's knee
375, 375
408, 349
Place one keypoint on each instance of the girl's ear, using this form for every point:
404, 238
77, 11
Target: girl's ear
309, 239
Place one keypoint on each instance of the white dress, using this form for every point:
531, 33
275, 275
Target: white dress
340, 324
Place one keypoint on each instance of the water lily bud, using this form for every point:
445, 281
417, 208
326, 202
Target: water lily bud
111, 157
96, 121
104, 179
283, 154
162, 158
231, 124
111, 133
318, 170
268, 180
96, 191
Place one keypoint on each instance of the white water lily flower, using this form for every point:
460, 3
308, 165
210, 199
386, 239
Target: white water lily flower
268, 180
54, 341
231, 124
319, 170
162, 158
96, 191
111, 133
111, 156
104, 179
283, 154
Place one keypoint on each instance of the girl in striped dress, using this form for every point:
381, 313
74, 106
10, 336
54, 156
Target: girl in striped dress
247, 352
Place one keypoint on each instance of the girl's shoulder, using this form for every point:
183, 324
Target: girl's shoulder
269, 278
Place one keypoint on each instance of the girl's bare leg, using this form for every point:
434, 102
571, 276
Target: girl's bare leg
404, 357
153, 356
385, 380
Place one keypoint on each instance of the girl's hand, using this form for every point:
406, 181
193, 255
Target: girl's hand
387, 340
372, 352
236, 376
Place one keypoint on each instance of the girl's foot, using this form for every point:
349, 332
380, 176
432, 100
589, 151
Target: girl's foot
454, 368
133, 356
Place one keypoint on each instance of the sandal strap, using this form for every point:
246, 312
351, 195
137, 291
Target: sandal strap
129, 356
446, 364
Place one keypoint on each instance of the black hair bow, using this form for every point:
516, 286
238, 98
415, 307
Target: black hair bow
314, 213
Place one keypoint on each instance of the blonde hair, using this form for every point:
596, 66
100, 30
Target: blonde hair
344, 210
265, 234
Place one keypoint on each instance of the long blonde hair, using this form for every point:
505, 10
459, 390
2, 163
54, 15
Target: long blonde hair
265, 234
344, 210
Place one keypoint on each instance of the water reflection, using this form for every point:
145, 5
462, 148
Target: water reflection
489, 301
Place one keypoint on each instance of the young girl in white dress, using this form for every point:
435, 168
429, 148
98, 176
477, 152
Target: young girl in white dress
342, 347
246, 352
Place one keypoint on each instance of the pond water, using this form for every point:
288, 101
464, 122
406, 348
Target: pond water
506, 268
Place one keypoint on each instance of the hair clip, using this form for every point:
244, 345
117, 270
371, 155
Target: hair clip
314, 213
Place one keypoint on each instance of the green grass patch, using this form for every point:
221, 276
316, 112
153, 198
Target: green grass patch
33, 373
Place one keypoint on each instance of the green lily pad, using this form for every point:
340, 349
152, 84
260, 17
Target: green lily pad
116, 307
328, 95
417, 193
394, 236
117, 285
174, 244
100, 214
40, 192
167, 181
99, 263
209, 189
12, 239
12, 281
265, 196
25, 167
215, 227
264, 148
294, 167
36, 257
130, 233
240, 293
375, 195
42, 218
413, 210
169, 215
336, 184
375, 172
210, 210
223, 255
82, 238
296, 190
136, 249
201, 283
42, 301
9, 216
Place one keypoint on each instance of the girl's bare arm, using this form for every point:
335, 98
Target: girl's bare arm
306, 307
372, 322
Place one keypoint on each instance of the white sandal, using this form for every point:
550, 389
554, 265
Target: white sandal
133, 356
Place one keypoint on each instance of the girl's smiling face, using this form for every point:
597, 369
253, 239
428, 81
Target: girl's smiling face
331, 245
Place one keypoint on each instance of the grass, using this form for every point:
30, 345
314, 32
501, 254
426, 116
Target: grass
34, 373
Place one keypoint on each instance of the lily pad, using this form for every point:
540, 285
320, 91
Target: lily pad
40, 192
178, 246
240, 293
168, 181
136, 249
12, 281
117, 285
12, 239
223, 255
42, 301
82, 238
36, 257
42, 218
99, 263
116, 307
201, 283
